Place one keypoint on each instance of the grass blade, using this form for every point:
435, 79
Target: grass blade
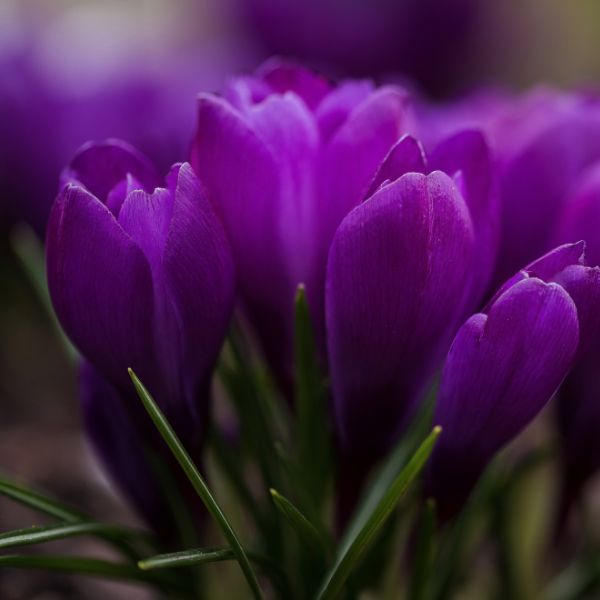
352, 553
40, 503
313, 436
59, 531
306, 531
197, 481
424, 555
200, 556
94, 567
186, 558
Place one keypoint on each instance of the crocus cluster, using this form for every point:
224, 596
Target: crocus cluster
295, 180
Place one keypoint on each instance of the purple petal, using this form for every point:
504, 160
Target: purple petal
396, 276
406, 156
285, 77
467, 155
200, 278
242, 180
101, 286
338, 105
101, 166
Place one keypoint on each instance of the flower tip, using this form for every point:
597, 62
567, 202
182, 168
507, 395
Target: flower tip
142, 565
437, 430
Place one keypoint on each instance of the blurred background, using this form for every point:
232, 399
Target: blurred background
74, 70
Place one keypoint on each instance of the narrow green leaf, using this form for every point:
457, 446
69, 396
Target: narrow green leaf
186, 558
197, 481
200, 556
40, 503
120, 538
352, 553
312, 432
59, 531
306, 531
423, 562
78, 565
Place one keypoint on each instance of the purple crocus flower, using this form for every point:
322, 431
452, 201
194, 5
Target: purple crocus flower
506, 363
284, 155
579, 399
543, 140
405, 267
305, 153
141, 276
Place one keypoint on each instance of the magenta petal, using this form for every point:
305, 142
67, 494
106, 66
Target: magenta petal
199, 275
338, 105
285, 77
467, 154
406, 156
101, 166
396, 276
242, 180
100, 284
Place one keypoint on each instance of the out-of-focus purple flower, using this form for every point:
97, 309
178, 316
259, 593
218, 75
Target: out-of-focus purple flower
62, 84
579, 399
141, 277
284, 155
506, 363
425, 39
543, 141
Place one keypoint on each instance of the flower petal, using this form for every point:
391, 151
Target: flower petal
406, 156
100, 284
101, 166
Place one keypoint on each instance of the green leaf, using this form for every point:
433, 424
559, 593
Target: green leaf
78, 565
120, 538
351, 553
40, 503
312, 431
307, 532
59, 531
423, 561
200, 556
186, 558
197, 481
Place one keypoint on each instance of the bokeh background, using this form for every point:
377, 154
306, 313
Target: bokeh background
74, 70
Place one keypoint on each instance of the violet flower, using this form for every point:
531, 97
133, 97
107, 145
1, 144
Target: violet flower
506, 363
579, 399
543, 141
284, 155
141, 277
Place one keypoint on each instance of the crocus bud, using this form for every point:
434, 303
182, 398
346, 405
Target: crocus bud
397, 281
506, 363
284, 155
141, 277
